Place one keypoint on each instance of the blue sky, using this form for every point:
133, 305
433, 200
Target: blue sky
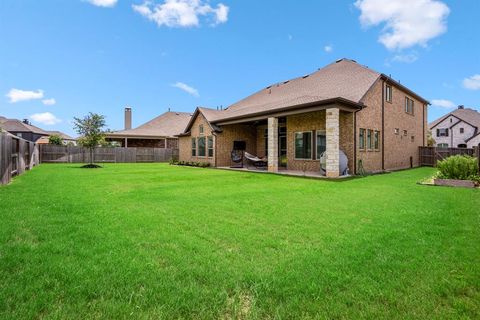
60, 59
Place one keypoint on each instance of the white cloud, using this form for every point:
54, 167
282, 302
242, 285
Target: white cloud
472, 83
442, 103
328, 48
45, 118
405, 58
103, 3
17, 95
407, 22
182, 13
186, 88
49, 102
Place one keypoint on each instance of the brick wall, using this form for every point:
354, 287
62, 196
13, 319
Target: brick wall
398, 147
185, 143
316, 121
230, 133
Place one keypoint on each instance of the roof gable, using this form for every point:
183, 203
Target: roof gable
467, 115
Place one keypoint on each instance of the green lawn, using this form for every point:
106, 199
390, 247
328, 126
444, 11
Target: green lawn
154, 241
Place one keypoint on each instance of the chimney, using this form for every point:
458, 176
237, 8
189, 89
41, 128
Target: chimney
128, 118
461, 107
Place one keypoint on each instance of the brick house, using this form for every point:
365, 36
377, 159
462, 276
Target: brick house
457, 129
377, 123
160, 132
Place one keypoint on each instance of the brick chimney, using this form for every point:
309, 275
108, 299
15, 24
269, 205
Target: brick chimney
128, 118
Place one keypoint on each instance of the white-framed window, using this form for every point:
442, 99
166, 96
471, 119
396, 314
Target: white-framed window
321, 140
303, 145
388, 93
442, 145
201, 146
409, 105
376, 140
200, 129
210, 146
19, 134
361, 139
397, 131
462, 130
194, 147
369, 139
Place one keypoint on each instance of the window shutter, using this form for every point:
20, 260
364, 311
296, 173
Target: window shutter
446, 132
438, 132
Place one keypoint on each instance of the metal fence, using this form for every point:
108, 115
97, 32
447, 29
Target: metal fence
16, 156
75, 154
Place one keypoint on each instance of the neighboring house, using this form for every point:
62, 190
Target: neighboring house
377, 122
65, 137
457, 129
22, 129
160, 132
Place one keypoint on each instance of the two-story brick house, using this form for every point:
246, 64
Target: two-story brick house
374, 120
457, 129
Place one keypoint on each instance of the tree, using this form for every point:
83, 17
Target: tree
55, 139
91, 131
430, 140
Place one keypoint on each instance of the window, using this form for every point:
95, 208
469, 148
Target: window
397, 131
408, 105
442, 145
303, 145
321, 143
388, 93
201, 146
405, 133
19, 135
194, 147
442, 132
462, 145
462, 130
412, 138
210, 146
376, 140
361, 139
200, 129
369, 139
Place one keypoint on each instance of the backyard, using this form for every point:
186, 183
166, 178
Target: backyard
157, 241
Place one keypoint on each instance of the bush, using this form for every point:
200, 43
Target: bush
458, 167
190, 163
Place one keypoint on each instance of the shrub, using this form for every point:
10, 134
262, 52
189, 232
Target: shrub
458, 167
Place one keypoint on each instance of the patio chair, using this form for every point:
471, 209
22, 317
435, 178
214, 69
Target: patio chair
256, 161
237, 158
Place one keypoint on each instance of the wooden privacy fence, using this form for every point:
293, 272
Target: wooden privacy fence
429, 156
74, 154
16, 156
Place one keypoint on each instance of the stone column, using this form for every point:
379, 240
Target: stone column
333, 142
272, 144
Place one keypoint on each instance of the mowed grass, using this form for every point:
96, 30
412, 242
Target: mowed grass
151, 241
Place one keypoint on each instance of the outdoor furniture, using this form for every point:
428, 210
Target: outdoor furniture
256, 161
237, 158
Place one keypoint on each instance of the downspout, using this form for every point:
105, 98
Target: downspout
383, 125
355, 140
214, 134
423, 123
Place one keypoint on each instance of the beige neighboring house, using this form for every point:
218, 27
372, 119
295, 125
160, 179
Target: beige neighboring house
343, 108
65, 137
160, 132
457, 129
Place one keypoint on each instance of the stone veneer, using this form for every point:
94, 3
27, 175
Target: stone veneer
272, 144
333, 143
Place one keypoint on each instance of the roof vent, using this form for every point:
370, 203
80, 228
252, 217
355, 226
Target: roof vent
176, 113
339, 60
306, 76
26, 121
461, 107
285, 82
